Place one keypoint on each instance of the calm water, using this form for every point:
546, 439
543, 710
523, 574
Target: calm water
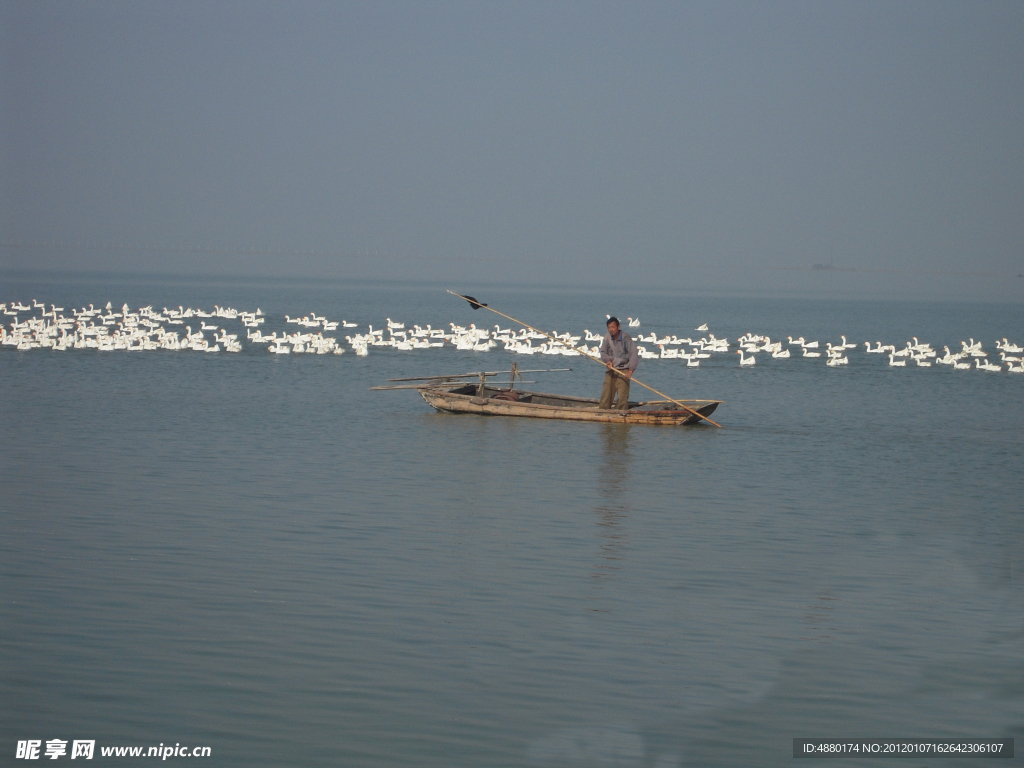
253, 553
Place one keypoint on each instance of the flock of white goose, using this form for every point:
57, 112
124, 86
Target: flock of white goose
34, 326
922, 355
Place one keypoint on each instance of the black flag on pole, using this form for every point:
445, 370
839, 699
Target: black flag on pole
474, 303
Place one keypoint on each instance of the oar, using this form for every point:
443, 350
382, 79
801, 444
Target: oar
478, 305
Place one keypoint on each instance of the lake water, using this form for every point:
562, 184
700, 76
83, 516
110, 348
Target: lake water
252, 552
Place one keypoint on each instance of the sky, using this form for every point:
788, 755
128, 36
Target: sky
725, 145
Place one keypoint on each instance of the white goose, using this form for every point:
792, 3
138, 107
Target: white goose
704, 327
905, 352
896, 363
744, 360
633, 322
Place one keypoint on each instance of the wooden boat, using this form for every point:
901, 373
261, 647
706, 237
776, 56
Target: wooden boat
493, 401
453, 394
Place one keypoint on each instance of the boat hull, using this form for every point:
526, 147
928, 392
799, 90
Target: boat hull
536, 405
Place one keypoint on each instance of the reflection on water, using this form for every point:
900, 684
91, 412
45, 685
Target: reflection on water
614, 488
819, 620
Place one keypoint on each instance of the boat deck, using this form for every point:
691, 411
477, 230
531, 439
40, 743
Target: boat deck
492, 400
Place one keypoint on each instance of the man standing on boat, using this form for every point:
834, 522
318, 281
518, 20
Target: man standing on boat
618, 352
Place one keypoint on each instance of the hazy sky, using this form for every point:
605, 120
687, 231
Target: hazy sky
582, 141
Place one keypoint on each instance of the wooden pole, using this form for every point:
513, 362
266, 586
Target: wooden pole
432, 385
477, 304
486, 373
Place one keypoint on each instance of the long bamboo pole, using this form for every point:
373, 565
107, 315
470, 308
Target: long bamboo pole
476, 374
477, 304
429, 385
